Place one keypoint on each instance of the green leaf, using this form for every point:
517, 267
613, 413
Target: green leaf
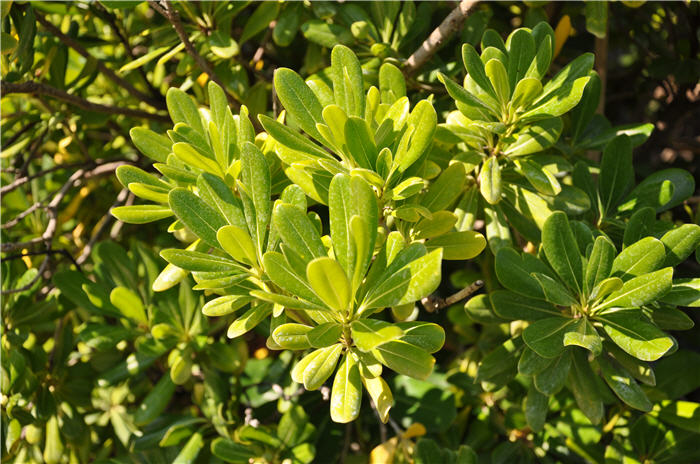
531, 363
685, 292
583, 334
254, 316
491, 181
443, 192
348, 86
640, 290
525, 92
325, 34
155, 402
596, 18
535, 137
514, 271
546, 336
616, 172
458, 245
680, 243
564, 91
536, 408
584, 388
223, 45
605, 288
499, 365
224, 305
346, 395
407, 284
141, 214
260, 20
484, 110
514, 307
425, 335
475, 69
406, 359
367, 334
299, 100
196, 215
498, 76
437, 224
497, 228
255, 175
360, 142
392, 84
297, 232
182, 108
287, 25
539, 177
551, 379
291, 139
330, 283
199, 262
324, 334
129, 303
554, 291
238, 244
349, 197
154, 145
642, 257
283, 275
321, 366
640, 339
662, 190
230, 451
623, 385
423, 119
600, 263
381, 395
521, 52
561, 250
292, 336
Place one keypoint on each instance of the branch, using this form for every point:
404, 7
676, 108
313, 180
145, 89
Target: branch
37, 88
30, 284
111, 75
105, 222
52, 208
433, 304
451, 24
169, 13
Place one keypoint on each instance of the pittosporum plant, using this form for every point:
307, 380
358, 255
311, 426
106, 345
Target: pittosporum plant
590, 310
269, 255
509, 118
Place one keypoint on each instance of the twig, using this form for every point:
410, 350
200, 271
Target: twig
61, 251
261, 48
117, 227
169, 13
37, 88
24, 179
106, 221
432, 304
110, 74
601, 66
451, 24
30, 284
52, 208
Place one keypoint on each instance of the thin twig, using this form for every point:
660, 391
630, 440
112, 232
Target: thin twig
106, 221
451, 24
110, 74
30, 284
166, 9
61, 251
24, 179
432, 304
52, 208
37, 88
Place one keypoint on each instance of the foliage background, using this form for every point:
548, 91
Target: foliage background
60, 60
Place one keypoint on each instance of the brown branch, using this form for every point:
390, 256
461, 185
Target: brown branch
168, 12
451, 24
432, 304
37, 88
110, 74
76, 179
